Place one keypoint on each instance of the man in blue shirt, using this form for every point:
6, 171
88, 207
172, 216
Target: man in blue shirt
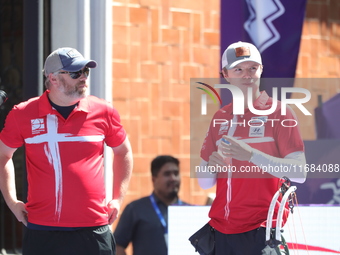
144, 221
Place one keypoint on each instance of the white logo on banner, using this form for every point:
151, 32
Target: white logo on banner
259, 25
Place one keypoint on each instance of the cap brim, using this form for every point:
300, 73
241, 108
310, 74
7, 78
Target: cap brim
241, 61
79, 64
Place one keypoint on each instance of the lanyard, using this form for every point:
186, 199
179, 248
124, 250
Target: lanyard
159, 214
179, 202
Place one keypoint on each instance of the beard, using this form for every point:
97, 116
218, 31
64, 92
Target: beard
75, 91
174, 192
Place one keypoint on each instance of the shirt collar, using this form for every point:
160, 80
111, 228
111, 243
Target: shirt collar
46, 108
160, 201
262, 102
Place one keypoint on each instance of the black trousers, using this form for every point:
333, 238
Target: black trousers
85, 241
248, 243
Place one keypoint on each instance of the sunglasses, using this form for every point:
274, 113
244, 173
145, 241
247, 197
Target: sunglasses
76, 75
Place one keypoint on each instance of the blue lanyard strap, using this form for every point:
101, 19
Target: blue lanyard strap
179, 202
159, 214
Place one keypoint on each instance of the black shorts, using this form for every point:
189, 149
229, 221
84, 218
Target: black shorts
85, 241
248, 243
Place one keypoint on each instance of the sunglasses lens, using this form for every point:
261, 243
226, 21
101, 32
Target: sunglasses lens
86, 71
76, 75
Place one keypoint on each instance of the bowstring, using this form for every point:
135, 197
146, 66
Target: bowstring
293, 203
301, 225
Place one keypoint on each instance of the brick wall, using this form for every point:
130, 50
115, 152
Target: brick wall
319, 57
158, 45
320, 45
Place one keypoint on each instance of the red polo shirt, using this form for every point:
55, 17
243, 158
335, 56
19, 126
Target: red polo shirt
64, 158
243, 199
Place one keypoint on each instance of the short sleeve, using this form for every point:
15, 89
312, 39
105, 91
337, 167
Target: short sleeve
116, 133
209, 143
10, 134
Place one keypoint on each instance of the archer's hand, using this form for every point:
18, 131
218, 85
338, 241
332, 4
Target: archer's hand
113, 210
236, 149
216, 159
19, 210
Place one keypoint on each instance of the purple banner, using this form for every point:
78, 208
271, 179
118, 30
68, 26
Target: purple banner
327, 120
274, 26
318, 188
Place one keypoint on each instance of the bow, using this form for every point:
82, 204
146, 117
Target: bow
273, 235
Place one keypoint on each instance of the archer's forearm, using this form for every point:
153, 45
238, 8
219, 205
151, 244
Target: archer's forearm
7, 182
122, 170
